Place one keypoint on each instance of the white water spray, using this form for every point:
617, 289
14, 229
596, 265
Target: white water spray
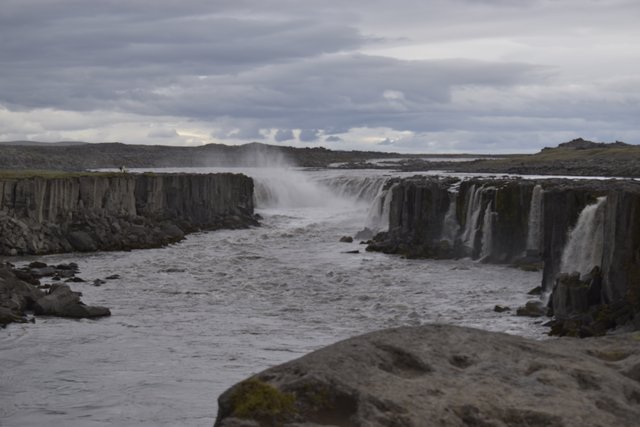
450, 226
584, 246
378, 217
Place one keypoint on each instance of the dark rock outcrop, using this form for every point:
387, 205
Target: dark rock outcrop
529, 223
63, 302
17, 297
440, 375
117, 211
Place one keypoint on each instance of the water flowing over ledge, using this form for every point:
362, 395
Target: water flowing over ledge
585, 234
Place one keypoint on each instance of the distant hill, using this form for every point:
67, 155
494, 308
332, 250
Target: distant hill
577, 157
41, 144
81, 156
583, 144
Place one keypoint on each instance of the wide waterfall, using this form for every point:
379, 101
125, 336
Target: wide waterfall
584, 246
535, 221
361, 188
288, 187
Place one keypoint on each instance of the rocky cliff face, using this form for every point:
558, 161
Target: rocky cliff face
570, 227
117, 211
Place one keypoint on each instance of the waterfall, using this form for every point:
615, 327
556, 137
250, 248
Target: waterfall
474, 208
290, 188
378, 217
450, 226
487, 233
534, 229
583, 249
361, 188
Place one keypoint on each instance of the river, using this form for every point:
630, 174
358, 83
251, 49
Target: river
190, 320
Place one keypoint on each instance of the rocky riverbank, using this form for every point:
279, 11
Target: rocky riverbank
440, 375
21, 292
584, 234
109, 211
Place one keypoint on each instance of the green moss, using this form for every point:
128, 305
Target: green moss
257, 400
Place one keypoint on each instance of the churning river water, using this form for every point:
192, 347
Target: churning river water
192, 319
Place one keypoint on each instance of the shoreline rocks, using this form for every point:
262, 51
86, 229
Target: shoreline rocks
21, 293
445, 375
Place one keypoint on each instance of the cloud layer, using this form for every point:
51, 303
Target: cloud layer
461, 75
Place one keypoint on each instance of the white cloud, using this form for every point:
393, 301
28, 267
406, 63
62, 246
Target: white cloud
437, 75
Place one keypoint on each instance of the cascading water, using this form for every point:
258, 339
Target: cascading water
361, 188
535, 221
584, 246
487, 233
474, 208
378, 217
289, 188
451, 226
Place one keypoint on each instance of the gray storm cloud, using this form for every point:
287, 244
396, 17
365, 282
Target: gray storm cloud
464, 71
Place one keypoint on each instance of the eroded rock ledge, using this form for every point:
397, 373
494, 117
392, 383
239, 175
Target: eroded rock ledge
88, 212
440, 375
583, 234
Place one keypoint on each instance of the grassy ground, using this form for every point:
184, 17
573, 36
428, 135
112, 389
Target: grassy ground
52, 174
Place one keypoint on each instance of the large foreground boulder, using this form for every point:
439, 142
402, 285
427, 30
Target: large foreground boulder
439, 375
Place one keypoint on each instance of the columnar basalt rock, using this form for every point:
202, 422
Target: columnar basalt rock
494, 220
117, 211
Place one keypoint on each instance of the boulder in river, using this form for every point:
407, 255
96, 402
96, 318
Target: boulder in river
62, 301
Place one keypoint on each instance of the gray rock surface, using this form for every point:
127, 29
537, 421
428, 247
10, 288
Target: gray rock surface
63, 302
440, 375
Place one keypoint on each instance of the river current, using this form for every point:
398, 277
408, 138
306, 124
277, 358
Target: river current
192, 319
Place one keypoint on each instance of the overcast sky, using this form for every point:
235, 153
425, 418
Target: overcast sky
402, 75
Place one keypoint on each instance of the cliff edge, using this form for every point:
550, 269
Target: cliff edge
109, 211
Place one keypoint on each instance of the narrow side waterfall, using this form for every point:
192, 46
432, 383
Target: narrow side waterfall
378, 216
450, 226
487, 233
534, 230
474, 208
584, 246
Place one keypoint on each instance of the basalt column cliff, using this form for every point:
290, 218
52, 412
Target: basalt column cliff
586, 234
117, 211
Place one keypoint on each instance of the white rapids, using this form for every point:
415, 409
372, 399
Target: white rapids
192, 319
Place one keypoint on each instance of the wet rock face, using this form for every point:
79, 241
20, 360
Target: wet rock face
445, 375
563, 225
120, 211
